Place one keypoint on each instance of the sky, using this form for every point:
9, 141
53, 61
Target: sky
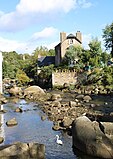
28, 24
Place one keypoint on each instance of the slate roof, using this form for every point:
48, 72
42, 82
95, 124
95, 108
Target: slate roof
46, 60
70, 36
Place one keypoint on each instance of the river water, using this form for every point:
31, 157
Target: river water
31, 128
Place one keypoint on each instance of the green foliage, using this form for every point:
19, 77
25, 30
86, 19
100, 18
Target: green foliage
95, 51
105, 57
40, 51
22, 77
51, 52
95, 47
46, 72
11, 63
43, 51
72, 54
108, 37
85, 56
107, 76
30, 67
9, 70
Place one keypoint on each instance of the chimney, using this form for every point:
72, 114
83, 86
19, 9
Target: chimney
62, 36
79, 36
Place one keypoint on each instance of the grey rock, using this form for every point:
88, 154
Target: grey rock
90, 138
23, 150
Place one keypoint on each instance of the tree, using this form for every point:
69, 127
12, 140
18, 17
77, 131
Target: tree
11, 62
95, 51
22, 77
51, 52
45, 76
108, 37
72, 54
107, 78
85, 56
40, 51
105, 57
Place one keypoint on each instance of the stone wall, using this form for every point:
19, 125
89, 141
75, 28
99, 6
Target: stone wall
60, 77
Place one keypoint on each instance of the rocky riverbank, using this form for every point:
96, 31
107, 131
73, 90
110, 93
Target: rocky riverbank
64, 106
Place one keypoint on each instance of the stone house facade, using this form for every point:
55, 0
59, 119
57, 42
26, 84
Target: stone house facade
65, 43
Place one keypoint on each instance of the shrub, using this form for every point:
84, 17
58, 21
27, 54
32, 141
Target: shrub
22, 78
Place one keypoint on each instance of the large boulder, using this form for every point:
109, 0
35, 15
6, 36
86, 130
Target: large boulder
34, 89
15, 91
34, 92
23, 150
91, 138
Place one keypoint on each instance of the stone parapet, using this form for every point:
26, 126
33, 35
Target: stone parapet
59, 77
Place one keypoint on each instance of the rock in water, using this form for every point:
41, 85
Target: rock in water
88, 137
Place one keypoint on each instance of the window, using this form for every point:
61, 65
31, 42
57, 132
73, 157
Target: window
71, 41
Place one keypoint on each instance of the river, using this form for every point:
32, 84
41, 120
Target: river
31, 128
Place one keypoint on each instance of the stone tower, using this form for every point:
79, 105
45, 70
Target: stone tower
79, 36
62, 36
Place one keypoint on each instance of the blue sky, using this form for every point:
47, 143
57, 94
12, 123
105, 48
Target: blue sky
28, 24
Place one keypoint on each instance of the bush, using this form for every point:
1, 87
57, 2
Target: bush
22, 78
107, 76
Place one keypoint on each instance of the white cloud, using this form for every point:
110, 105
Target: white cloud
1, 13
44, 6
34, 41
28, 47
52, 45
13, 21
28, 12
45, 33
10, 45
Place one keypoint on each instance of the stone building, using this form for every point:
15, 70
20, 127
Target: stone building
65, 43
